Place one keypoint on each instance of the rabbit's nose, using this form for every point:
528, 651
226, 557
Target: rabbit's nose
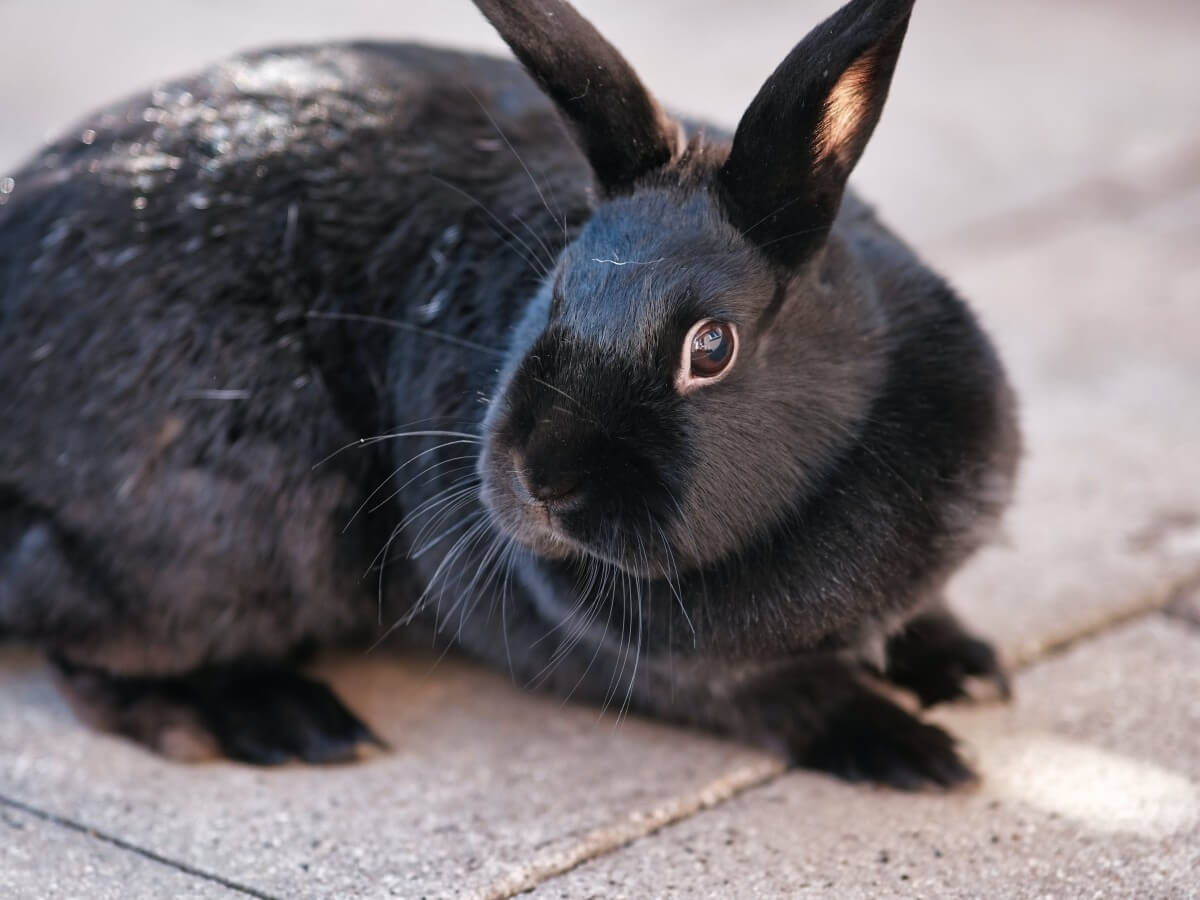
544, 481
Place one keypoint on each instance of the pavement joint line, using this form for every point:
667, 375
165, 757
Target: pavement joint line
117, 842
1101, 196
607, 839
1156, 603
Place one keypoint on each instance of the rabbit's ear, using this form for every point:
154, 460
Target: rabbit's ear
808, 125
618, 125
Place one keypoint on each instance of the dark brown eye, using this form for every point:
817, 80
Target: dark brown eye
708, 351
712, 349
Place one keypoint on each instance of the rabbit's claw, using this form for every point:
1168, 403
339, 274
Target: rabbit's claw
936, 659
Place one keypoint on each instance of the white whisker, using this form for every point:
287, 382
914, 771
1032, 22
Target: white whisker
540, 269
500, 131
366, 442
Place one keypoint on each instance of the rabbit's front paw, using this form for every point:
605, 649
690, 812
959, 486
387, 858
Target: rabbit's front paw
826, 716
937, 659
254, 714
872, 739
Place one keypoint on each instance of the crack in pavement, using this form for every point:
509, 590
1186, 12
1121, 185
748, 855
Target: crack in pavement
115, 841
607, 839
1162, 601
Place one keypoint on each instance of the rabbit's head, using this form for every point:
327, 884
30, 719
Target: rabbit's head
706, 346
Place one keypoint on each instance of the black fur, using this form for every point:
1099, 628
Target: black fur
255, 714
618, 124
210, 289
934, 657
806, 129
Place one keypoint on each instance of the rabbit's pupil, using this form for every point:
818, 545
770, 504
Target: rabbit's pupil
712, 349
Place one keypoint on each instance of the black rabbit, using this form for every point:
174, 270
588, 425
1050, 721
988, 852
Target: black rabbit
650, 416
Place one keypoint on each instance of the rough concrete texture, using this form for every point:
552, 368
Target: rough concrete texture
42, 860
1046, 156
1081, 797
485, 786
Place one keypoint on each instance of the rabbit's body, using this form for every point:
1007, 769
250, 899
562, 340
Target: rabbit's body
206, 291
168, 392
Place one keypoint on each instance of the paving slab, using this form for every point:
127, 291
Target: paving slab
1100, 326
485, 786
41, 860
1091, 789
994, 105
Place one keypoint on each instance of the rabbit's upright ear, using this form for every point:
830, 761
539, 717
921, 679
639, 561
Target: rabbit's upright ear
804, 132
618, 125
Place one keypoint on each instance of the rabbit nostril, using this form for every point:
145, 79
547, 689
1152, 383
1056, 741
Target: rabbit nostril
557, 490
546, 486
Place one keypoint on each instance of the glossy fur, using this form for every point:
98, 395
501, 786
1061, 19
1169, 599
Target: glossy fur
209, 294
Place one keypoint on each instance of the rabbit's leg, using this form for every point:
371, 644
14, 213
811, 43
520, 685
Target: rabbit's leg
823, 714
144, 684
935, 657
251, 713
820, 710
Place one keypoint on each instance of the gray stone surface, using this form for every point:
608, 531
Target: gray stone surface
41, 860
1081, 798
484, 786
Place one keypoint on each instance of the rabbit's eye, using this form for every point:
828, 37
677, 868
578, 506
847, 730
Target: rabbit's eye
708, 352
712, 349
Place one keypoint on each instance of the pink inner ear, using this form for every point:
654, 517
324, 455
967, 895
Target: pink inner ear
845, 109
